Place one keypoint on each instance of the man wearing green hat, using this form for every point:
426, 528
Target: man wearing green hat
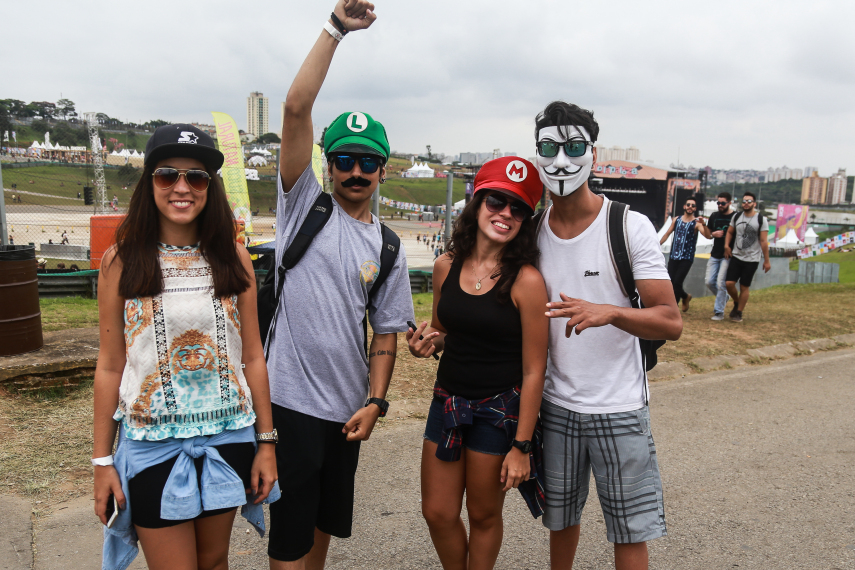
323, 404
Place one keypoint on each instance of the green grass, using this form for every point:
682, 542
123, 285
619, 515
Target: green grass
68, 180
845, 259
68, 313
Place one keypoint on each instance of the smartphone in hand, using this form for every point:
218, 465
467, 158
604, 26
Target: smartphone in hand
112, 510
413, 326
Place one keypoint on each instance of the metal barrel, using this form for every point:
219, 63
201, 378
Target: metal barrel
20, 315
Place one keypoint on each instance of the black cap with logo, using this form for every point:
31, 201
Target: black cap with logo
185, 141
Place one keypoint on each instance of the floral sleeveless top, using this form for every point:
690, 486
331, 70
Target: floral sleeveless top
183, 375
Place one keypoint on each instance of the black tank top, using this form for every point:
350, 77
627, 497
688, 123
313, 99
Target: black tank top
483, 347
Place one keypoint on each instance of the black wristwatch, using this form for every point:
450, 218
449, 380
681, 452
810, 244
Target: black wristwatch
381, 403
524, 446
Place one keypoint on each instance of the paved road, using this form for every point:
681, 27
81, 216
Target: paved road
757, 465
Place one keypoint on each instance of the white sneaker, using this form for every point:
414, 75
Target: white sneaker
718, 317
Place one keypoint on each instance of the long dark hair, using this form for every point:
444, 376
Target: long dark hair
138, 235
520, 251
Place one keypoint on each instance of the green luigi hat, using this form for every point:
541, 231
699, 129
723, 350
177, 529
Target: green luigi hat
358, 133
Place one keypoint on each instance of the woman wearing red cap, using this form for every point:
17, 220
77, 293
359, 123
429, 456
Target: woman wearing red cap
489, 324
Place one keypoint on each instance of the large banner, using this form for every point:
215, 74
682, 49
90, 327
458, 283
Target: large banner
791, 217
233, 172
318, 164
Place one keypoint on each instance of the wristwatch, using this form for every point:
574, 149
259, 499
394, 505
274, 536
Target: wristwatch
268, 437
524, 446
381, 403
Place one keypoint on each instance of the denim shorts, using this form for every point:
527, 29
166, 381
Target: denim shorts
481, 436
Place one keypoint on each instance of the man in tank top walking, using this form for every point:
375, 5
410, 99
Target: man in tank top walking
594, 409
323, 404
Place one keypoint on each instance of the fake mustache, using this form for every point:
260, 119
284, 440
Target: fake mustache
356, 181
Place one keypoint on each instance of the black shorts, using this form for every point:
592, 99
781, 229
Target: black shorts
145, 490
742, 271
317, 470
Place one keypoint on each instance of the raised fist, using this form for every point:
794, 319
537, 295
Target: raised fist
355, 14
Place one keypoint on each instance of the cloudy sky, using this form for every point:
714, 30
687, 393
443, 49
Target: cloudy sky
730, 84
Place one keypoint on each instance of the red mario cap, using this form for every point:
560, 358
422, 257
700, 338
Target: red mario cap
511, 175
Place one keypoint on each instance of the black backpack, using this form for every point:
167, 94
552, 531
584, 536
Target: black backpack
619, 250
759, 219
269, 294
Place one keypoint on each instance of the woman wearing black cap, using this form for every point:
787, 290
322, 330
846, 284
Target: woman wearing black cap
488, 321
180, 369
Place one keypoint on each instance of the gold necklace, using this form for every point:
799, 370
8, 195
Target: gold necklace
478, 285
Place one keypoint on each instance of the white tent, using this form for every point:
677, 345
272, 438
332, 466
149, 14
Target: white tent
810, 237
419, 170
257, 161
460, 205
135, 153
789, 241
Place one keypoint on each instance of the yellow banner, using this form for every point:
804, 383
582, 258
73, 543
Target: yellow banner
318, 164
234, 175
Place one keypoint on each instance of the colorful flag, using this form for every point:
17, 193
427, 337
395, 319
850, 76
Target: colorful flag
233, 171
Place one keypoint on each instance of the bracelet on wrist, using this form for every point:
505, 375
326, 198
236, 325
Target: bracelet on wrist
338, 24
102, 461
333, 32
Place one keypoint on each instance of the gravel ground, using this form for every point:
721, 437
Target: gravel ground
757, 466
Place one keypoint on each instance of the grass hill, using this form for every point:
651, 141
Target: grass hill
70, 134
846, 259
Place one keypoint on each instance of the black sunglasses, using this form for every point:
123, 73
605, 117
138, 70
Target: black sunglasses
722, 203
575, 148
690, 206
496, 203
367, 164
165, 178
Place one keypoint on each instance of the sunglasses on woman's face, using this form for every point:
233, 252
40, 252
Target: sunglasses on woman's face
367, 164
165, 178
549, 149
497, 202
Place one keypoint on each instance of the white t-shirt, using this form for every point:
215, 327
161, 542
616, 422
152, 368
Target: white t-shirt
598, 371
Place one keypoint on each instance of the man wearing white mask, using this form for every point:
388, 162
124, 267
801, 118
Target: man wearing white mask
594, 410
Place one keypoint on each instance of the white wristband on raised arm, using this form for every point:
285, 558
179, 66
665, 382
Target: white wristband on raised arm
102, 461
333, 32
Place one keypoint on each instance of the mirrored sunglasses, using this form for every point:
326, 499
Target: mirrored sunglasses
497, 202
748, 201
367, 164
165, 178
574, 148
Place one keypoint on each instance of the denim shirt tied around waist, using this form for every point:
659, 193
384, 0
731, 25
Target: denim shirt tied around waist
501, 411
182, 500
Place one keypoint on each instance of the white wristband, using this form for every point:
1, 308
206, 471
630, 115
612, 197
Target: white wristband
333, 31
103, 461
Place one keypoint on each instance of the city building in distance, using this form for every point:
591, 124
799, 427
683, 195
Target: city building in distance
814, 189
837, 188
257, 114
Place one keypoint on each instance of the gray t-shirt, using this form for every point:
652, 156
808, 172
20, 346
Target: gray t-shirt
317, 363
746, 244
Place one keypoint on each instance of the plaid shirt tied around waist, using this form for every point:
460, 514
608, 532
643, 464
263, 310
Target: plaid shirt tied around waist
501, 411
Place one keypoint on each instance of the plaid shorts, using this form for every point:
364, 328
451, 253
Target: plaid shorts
619, 448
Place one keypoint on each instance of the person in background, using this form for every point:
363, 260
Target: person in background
745, 244
74, 267
683, 246
715, 229
489, 324
60, 265
42, 264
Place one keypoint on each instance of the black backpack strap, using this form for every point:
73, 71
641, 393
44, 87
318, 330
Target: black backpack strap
388, 256
538, 221
619, 250
316, 219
